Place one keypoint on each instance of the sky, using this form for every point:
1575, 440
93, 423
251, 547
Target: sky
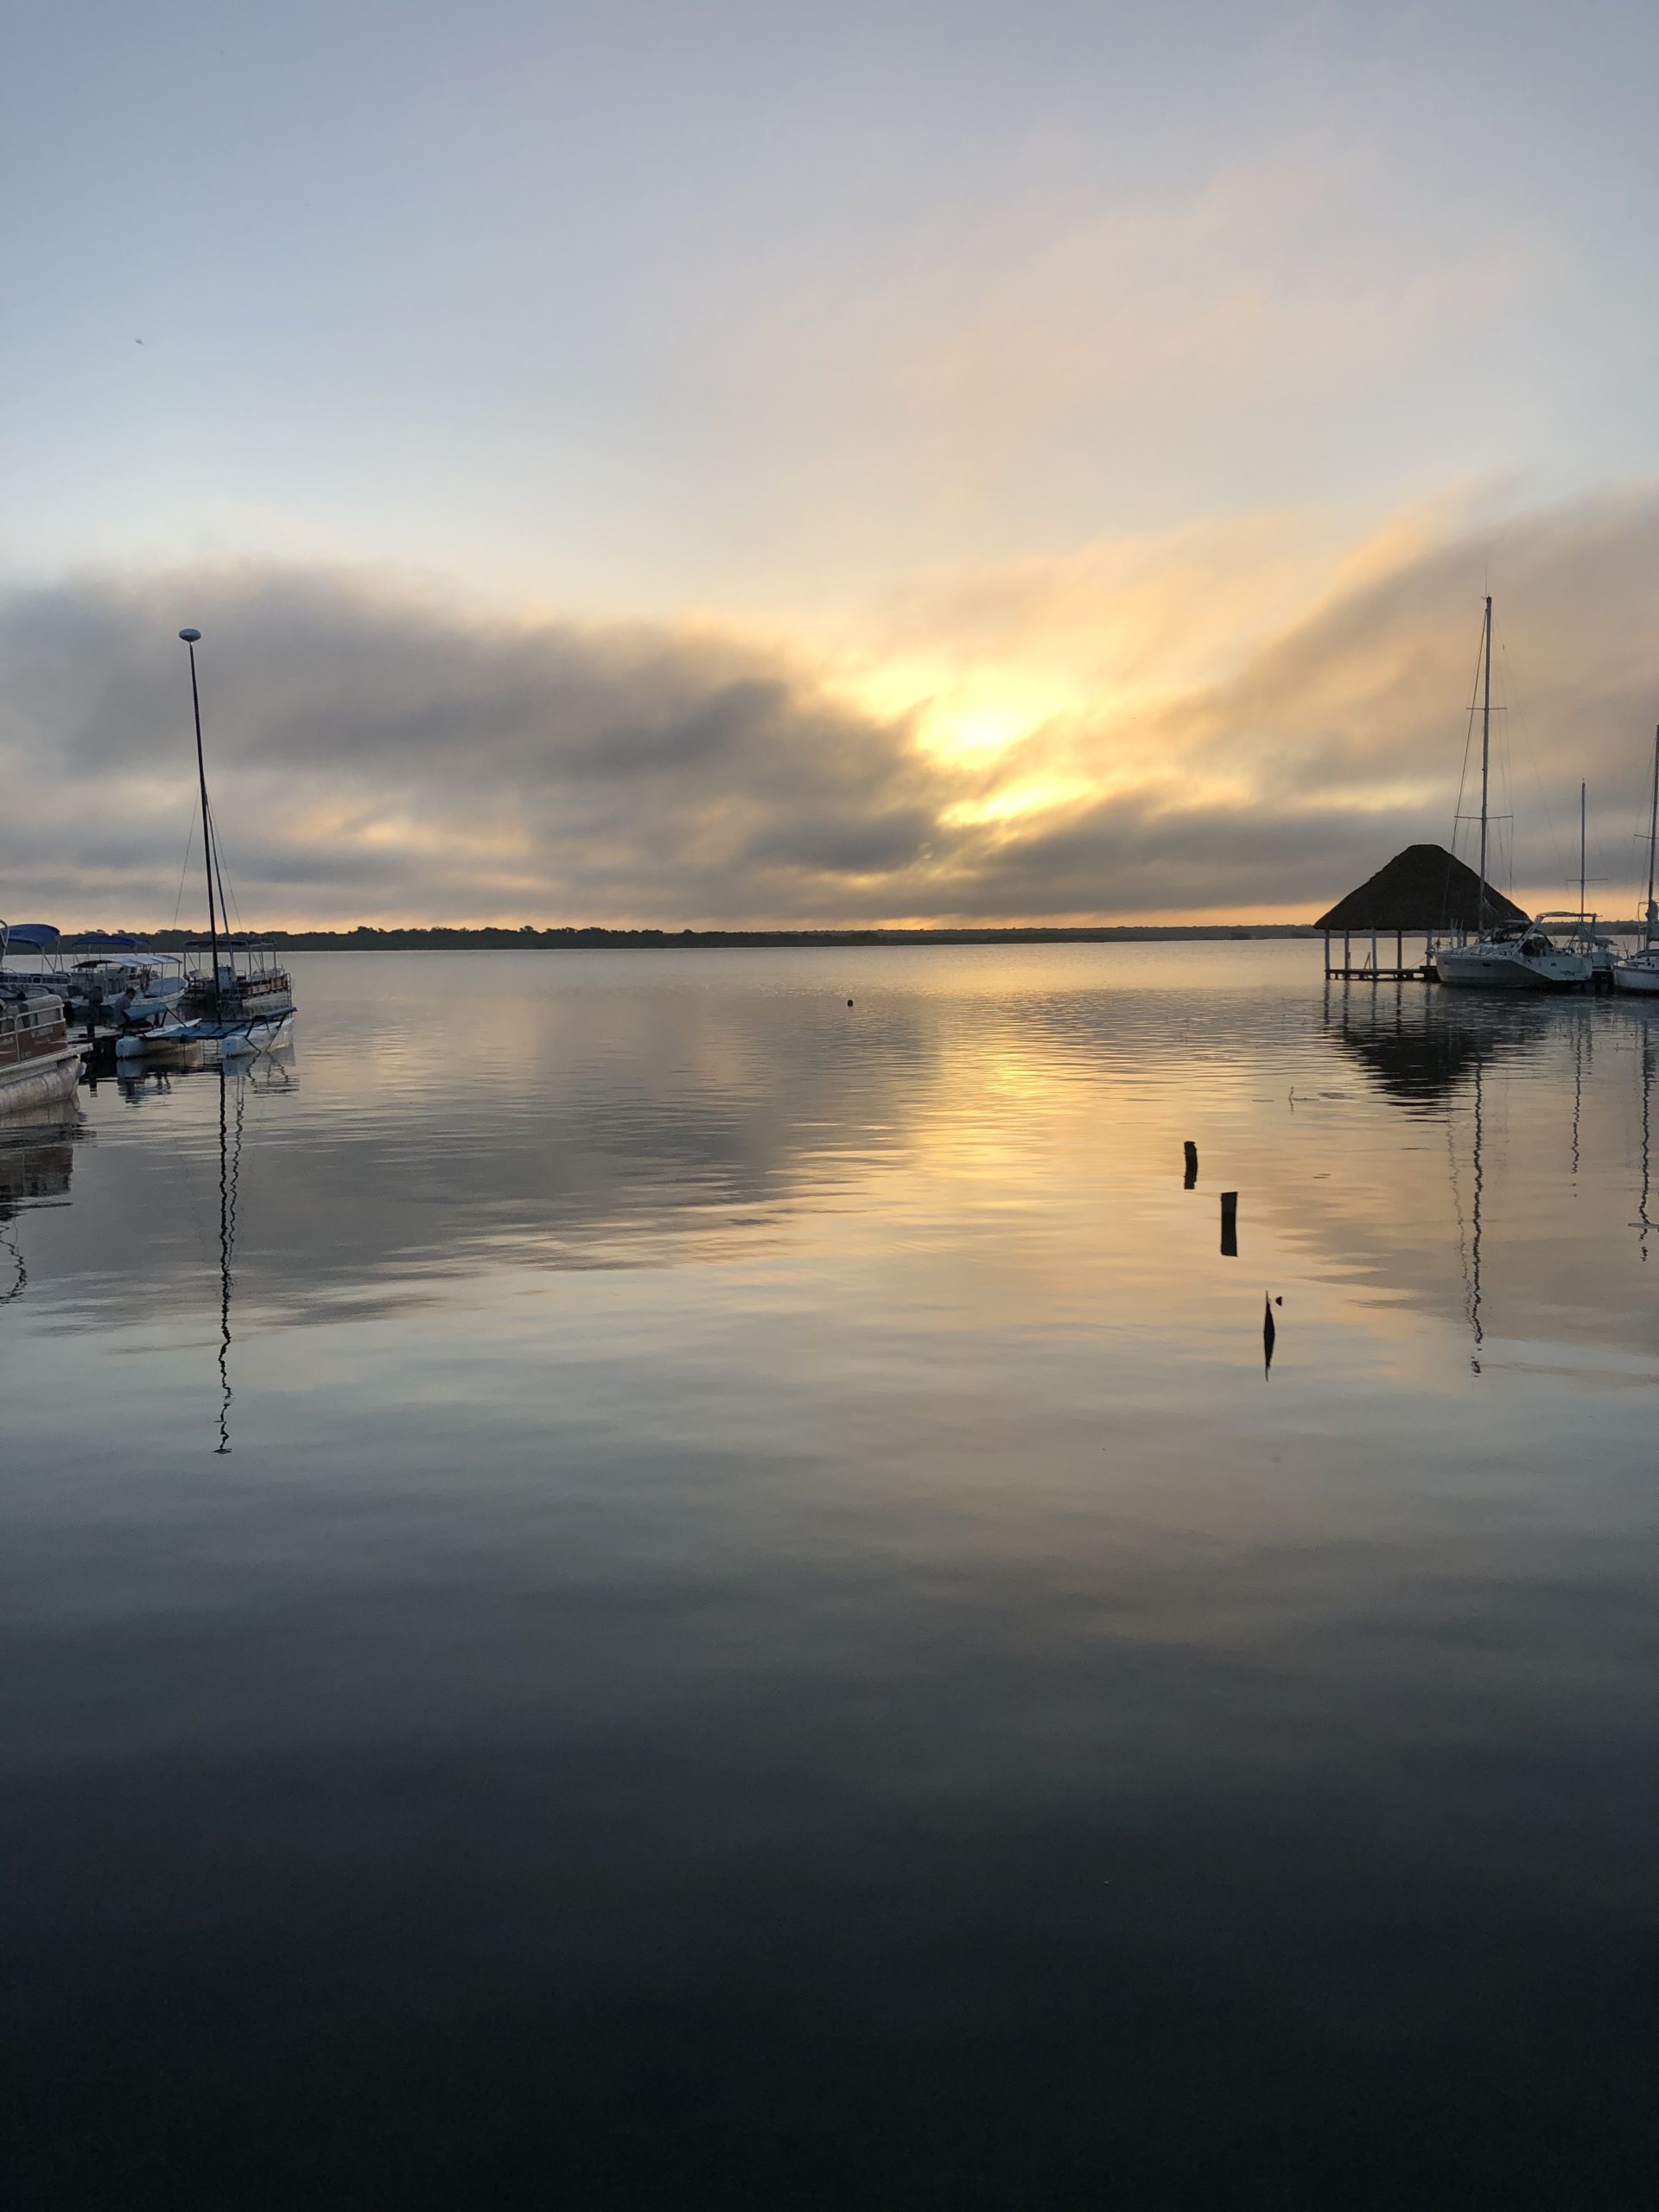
815, 464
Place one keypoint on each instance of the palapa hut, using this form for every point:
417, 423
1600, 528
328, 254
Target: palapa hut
1423, 892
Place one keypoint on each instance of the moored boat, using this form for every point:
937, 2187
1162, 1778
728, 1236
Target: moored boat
239, 1000
39, 1066
1640, 973
203, 1044
1516, 956
1519, 957
240, 978
100, 974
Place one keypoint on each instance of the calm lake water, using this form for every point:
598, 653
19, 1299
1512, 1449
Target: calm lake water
718, 1608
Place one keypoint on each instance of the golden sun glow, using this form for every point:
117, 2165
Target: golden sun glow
966, 721
1015, 801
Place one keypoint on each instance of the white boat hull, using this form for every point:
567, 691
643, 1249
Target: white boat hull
44, 1082
148, 1044
264, 1034
1503, 968
180, 1045
1636, 976
139, 1007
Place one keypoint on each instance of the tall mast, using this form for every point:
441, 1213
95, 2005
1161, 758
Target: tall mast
1581, 879
192, 639
1653, 841
1485, 763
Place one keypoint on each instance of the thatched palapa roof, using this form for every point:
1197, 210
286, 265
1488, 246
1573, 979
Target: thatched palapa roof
1423, 888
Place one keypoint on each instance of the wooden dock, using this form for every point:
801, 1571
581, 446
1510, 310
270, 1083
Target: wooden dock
1344, 968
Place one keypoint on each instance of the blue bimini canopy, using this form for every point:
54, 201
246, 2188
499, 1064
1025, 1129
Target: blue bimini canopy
39, 936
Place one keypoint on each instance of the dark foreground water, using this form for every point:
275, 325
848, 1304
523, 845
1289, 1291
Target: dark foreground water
764, 1637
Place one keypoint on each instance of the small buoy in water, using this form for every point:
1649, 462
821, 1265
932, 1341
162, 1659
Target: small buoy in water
849, 1001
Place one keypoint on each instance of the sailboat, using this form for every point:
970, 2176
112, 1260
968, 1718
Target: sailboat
1512, 955
1641, 971
241, 1000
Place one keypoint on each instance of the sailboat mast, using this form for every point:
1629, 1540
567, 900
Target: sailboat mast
1486, 766
1653, 843
1581, 877
191, 639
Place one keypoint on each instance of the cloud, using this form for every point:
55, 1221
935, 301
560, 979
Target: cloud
1335, 736
392, 756
382, 754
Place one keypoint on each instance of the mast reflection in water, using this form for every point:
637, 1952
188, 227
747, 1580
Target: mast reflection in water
230, 1088
1642, 1221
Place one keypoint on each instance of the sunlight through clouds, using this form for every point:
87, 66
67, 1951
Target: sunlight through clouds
383, 755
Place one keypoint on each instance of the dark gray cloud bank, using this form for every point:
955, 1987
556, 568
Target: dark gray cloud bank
379, 757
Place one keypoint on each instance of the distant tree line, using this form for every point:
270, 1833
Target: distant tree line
366, 938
